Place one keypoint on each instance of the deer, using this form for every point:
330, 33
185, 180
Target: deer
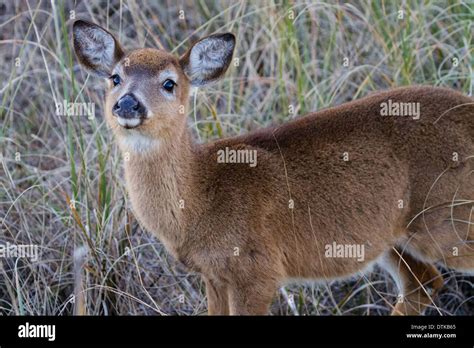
398, 188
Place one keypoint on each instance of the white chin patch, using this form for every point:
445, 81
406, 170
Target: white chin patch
137, 142
129, 122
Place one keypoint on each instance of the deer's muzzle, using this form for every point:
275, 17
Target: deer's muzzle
129, 110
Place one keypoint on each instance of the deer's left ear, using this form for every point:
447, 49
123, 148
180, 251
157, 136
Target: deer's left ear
96, 48
208, 59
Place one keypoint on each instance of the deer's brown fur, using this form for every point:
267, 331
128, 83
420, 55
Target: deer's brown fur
344, 174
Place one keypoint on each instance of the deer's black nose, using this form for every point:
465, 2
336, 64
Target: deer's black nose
128, 107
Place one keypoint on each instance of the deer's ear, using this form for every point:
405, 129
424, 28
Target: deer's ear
208, 59
96, 48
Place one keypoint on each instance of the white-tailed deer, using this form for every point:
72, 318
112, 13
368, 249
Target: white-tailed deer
385, 179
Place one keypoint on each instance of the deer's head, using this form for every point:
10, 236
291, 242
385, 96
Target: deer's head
148, 89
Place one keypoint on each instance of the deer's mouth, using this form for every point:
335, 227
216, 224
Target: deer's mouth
130, 123
129, 111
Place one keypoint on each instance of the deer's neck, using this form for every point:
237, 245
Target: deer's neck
160, 184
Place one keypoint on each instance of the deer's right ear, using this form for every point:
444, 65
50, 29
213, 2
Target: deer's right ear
96, 48
208, 59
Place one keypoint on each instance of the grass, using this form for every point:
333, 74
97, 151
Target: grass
61, 184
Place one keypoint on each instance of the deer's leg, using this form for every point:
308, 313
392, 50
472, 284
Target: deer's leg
217, 298
251, 298
418, 282
253, 278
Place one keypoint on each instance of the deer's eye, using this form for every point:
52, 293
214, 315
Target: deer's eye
169, 85
116, 79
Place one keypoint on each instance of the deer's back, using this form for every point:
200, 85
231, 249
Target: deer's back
344, 174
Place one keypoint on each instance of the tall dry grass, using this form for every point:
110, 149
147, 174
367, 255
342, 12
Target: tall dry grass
61, 184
